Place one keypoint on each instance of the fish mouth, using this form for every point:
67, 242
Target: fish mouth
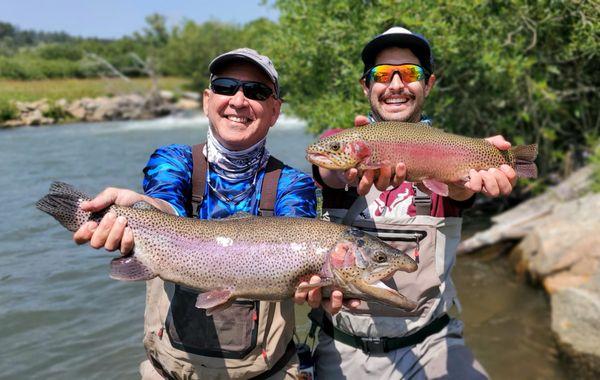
386, 295
321, 160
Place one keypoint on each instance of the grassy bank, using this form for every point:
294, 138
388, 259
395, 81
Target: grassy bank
71, 89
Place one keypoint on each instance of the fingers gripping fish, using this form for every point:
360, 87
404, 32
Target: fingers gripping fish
243, 256
431, 155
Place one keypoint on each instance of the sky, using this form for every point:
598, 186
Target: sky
117, 18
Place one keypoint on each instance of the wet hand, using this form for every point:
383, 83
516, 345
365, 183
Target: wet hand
315, 299
493, 182
381, 178
360, 120
112, 232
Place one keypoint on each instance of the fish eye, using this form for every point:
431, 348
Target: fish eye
335, 146
380, 257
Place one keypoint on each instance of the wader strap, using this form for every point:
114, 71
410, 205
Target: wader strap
200, 167
383, 344
422, 202
354, 211
268, 193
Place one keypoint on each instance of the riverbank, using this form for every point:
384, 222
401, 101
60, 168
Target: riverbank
122, 107
558, 248
46, 102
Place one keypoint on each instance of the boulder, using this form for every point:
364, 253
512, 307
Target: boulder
567, 240
167, 96
103, 109
187, 104
576, 325
41, 105
76, 110
13, 123
35, 117
191, 95
516, 223
62, 103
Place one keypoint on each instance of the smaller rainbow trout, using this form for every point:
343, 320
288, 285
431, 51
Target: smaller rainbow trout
431, 155
243, 256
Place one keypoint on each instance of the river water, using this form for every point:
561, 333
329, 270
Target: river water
62, 317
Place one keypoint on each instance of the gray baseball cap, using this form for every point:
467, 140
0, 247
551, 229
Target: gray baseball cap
400, 37
249, 55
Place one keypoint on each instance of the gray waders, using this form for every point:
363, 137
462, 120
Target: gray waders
380, 342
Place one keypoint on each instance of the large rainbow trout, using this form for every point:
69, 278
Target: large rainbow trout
431, 155
243, 256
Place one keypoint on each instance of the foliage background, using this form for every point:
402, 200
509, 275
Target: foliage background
524, 69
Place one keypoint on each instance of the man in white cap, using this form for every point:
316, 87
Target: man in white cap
231, 172
368, 340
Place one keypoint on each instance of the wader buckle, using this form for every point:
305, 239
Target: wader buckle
373, 345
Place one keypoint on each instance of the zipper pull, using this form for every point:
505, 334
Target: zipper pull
417, 248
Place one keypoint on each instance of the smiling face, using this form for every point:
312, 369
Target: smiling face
238, 122
397, 100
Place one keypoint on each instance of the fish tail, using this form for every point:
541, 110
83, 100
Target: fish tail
524, 156
62, 202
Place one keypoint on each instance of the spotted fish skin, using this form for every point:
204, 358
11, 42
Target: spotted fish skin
429, 153
244, 256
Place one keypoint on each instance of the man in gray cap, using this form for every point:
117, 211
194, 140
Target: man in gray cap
368, 340
231, 172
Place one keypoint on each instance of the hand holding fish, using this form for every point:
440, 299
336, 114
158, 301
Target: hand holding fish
492, 182
112, 232
314, 297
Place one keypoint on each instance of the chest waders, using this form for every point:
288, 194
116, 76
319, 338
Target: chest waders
432, 242
250, 339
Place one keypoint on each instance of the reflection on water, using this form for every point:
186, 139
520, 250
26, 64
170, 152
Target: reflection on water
63, 318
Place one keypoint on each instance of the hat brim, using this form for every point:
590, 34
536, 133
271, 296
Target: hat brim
228, 58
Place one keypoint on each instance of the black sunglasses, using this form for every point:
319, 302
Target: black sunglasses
252, 90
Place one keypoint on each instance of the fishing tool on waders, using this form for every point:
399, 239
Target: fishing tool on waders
306, 369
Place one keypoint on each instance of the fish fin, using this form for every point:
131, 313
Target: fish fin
212, 299
324, 282
129, 268
524, 157
143, 205
210, 311
437, 187
62, 203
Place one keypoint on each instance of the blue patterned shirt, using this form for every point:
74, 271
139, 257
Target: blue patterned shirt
168, 176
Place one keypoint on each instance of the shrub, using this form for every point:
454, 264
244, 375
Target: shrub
595, 162
8, 110
56, 112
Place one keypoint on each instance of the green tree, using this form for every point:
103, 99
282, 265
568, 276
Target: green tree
192, 46
156, 33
